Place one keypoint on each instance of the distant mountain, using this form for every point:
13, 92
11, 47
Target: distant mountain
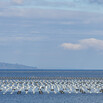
15, 66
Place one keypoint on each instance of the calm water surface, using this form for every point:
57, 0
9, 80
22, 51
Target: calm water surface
50, 73
52, 98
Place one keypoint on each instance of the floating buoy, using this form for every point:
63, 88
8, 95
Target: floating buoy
19, 92
40, 92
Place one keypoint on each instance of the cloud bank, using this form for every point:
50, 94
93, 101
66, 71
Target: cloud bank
84, 44
74, 5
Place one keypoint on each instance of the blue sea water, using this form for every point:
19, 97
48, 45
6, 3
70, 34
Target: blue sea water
51, 98
51, 73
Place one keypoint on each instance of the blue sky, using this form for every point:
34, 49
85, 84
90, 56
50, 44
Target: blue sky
52, 34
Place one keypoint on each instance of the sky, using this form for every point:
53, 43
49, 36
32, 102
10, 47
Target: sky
52, 34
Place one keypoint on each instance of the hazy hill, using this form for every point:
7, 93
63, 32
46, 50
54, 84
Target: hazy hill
15, 66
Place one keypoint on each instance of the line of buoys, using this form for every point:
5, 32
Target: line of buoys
55, 85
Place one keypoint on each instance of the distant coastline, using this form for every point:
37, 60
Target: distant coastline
15, 66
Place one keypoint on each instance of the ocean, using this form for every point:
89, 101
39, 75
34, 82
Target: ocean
52, 97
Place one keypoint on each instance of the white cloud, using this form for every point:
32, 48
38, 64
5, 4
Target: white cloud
17, 39
18, 1
85, 44
71, 46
